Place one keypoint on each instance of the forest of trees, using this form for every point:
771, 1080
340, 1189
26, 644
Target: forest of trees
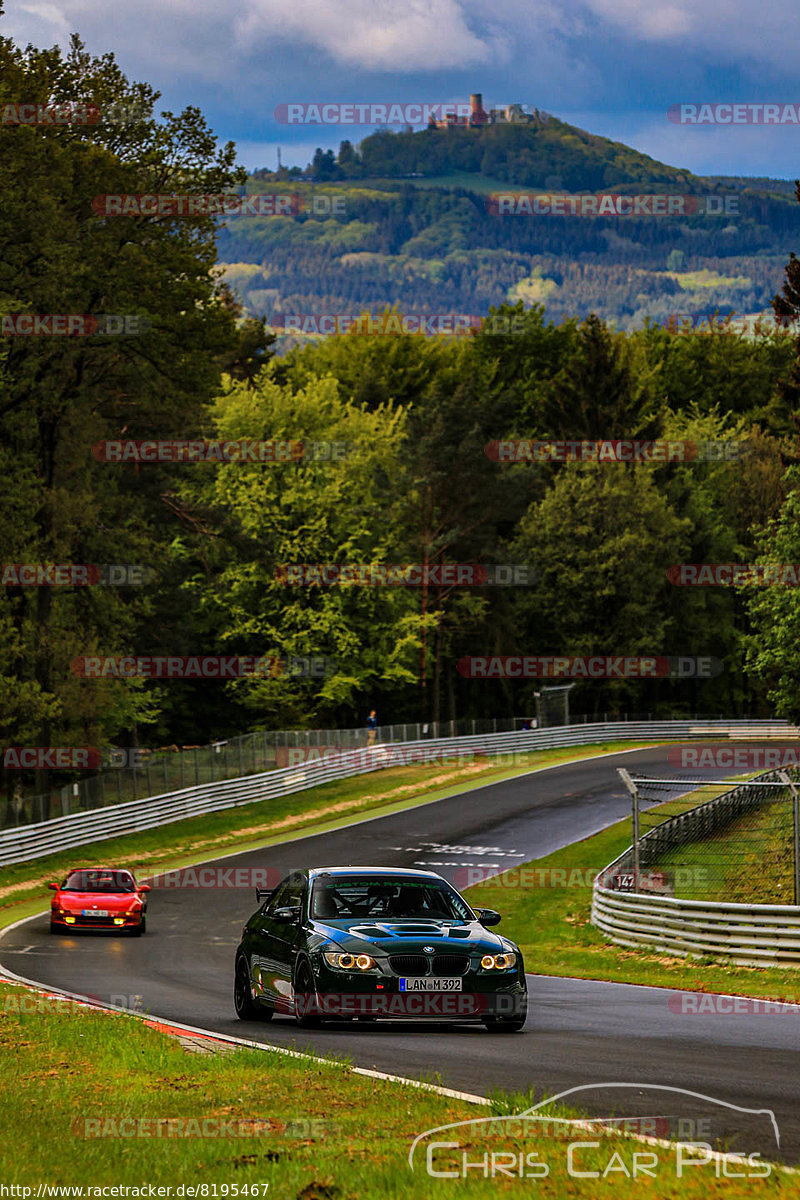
415, 485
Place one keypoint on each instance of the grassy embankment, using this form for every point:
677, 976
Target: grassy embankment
95, 1099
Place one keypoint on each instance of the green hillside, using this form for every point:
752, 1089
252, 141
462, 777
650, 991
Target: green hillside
547, 153
406, 219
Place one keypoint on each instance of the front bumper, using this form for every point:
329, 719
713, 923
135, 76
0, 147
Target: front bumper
117, 921
348, 994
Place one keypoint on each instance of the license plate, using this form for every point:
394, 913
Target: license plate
95, 912
427, 983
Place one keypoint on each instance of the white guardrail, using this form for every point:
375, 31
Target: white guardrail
758, 935
77, 829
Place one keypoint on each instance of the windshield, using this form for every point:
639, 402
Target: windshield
386, 899
99, 881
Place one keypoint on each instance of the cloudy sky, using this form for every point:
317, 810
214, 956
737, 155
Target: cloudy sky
610, 66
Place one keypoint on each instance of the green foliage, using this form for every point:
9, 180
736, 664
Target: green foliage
325, 510
602, 539
59, 395
773, 649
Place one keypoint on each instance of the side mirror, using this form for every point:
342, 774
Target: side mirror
263, 894
487, 917
286, 916
53, 887
145, 887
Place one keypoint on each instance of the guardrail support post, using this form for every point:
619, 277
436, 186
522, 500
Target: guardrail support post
631, 786
795, 834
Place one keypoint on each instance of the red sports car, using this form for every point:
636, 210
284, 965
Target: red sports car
99, 898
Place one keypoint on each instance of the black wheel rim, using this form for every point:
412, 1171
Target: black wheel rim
305, 988
241, 988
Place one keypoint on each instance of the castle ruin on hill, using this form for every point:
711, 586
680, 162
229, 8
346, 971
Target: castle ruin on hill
512, 114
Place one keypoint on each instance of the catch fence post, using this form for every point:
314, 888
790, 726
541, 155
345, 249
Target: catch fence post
795, 834
631, 786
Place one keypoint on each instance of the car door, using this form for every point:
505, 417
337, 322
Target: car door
287, 936
264, 952
276, 943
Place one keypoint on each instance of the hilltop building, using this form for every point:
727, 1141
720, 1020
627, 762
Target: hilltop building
512, 114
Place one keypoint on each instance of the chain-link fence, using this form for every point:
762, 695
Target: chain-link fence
147, 772
710, 841
151, 772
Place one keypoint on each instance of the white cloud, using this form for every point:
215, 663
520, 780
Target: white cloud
725, 31
375, 35
38, 21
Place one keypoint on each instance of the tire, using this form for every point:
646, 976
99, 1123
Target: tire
505, 1024
140, 928
54, 928
243, 1000
304, 985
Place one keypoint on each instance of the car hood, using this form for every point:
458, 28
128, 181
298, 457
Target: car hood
103, 900
404, 936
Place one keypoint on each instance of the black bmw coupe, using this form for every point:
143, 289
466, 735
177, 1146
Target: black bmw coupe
367, 943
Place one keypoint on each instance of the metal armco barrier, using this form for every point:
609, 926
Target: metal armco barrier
78, 829
747, 934
759, 935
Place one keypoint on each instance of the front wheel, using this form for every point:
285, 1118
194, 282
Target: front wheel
306, 1007
140, 928
243, 1002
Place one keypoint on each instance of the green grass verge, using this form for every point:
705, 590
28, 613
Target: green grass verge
267, 822
97, 1100
546, 907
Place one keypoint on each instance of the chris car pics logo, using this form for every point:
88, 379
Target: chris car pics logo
672, 1142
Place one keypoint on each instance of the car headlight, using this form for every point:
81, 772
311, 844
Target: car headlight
499, 962
349, 962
